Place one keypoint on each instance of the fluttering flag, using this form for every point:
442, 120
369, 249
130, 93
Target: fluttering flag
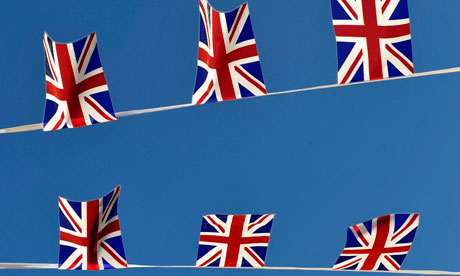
228, 61
76, 90
90, 236
379, 244
373, 39
234, 240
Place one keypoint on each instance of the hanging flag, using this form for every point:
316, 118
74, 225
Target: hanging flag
373, 39
228, 61
234, 240
76, 90
379, 244
90, 236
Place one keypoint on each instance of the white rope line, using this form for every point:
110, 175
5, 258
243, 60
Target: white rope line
422, 74
417, 272
55, 266
152, 110
180, 106
27, 266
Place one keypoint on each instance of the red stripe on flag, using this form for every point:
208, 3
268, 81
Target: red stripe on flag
100, 111
218, 225
114, 256
254, 256
395, 265
91, 82
248, 51
360, 235
348, 264
385, 6
396, 249
75, 262
407, 226
68, 215
248, 78
49, 59
108, 229
352, 11
115, 194
239, 240
205, 94
260, 221
81, 241
400, 58
204, 56
92, 226
205, 20
211, 259
378, 246
82, 58
352, 67
237, 21
59, 122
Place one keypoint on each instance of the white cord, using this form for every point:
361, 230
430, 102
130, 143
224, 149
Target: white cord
55, 266
180, 106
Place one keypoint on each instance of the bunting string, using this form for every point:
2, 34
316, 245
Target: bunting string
38, 126
285, 268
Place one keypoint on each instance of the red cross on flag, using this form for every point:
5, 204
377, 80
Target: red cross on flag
373, 39
234, 240
379, 244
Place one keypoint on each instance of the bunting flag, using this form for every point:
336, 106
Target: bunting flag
379, 244
234, 240
228, 61
90, 236
76, 90
373, 39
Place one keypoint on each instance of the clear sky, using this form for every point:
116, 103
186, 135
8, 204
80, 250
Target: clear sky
321, 161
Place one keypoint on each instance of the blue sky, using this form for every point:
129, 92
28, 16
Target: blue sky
321, 161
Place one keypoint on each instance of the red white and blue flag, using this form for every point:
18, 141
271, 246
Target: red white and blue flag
379, 244
76, 90
373, 39
90, 236
234, 240
228, 61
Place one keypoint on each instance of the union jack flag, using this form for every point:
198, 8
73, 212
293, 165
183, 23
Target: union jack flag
373, 39
379, 244
228, 61
90, 236
76, 90
234, 240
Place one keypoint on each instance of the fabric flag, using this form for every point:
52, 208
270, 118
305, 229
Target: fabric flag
228, 61
234, 240
90, 236
76, 90
379, 244
373, 39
